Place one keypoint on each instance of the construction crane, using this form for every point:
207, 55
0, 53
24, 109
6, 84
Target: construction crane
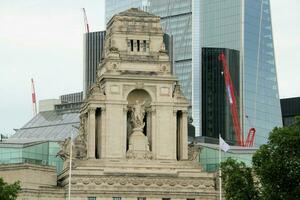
86, 24
233, 107
33, 97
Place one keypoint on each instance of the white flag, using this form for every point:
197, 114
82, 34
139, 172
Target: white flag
223, 145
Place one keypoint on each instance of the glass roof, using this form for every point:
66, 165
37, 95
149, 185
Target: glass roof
50, 125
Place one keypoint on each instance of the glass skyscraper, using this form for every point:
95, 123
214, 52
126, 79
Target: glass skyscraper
242, 25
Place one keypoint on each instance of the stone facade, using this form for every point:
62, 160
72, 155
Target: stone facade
133, 140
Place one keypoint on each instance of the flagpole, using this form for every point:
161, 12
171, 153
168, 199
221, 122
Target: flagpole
220, 160
70, 167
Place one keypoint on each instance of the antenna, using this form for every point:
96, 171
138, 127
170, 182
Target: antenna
33, 96
86, 24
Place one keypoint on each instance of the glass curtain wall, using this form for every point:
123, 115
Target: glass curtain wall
261, 98
246, 26
243, 25
39, 154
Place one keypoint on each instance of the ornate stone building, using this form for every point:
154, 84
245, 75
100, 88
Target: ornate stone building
132, 142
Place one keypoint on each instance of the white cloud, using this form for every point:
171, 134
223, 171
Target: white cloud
286, 31
43, 40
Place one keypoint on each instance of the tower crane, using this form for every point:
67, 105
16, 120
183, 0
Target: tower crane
86, 24
233, 107
33, 97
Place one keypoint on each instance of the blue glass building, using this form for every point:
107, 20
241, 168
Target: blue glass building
242, 25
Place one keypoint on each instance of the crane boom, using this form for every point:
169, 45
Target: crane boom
86, 24
33, 97
232, 101
233, 108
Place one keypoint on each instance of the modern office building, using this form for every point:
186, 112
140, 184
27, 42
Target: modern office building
72, 98
93, 50
37, 142
242, 25
216, 113
290, 108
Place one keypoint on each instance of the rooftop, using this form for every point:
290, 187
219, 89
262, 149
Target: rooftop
49, 125
135, 12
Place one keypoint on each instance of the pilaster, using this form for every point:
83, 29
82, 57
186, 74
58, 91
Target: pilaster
184, 136
91, 148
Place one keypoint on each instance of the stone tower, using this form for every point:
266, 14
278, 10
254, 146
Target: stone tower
133, 134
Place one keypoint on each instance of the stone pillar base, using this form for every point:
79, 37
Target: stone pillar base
138, 146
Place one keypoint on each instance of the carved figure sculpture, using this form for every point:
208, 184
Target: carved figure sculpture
81, 140
193, 152
64, 153
137, 115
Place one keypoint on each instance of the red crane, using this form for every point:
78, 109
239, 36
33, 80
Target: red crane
233, 107
33, 98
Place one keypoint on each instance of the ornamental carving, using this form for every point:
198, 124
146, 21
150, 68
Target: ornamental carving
193, 152
137, 115
179, 183
80, 141
64, 152
95, 90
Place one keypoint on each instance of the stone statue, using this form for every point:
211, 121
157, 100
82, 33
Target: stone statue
81, 140
64, 153
79, 143
95, 90
137, 115
193, 152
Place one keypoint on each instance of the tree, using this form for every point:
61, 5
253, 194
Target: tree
9, 191
238, 181
277, 164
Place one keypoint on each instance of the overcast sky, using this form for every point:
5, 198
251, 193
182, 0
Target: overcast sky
42, 39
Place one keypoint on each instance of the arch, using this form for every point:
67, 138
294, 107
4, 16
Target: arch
140, 95
143, 97
147, 90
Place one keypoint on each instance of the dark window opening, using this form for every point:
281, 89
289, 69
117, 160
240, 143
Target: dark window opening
178, 131
144, 45
145, 121
138, 45
131, 45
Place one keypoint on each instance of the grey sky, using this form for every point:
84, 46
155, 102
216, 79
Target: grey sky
42, 39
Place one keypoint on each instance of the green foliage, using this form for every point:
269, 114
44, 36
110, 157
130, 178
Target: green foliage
277, 164
9, 191
238, 181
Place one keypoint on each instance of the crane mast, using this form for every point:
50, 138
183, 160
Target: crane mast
33, 98
86, 24
233, 107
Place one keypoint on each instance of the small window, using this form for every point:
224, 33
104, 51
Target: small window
138, 45
144, 46
116, 198
190, 199
131, 45
141, 198
91, 198
166, 198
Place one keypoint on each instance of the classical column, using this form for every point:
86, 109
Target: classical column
149, 128
103, 133
177, 130
125, 111
153, 132
91, 148
184, 136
